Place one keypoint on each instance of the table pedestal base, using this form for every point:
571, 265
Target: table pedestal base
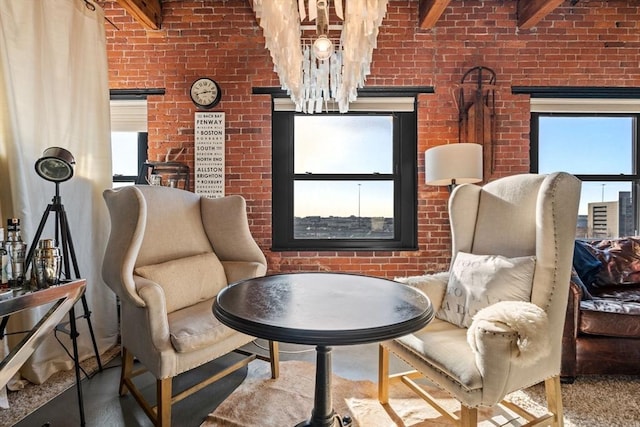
336, 422
323, 414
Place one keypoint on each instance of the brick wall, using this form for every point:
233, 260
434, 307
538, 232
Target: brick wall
594, 43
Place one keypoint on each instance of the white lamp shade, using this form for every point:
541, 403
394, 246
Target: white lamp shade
453, 164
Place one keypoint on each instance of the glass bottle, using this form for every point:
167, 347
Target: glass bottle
17, 251
4, 261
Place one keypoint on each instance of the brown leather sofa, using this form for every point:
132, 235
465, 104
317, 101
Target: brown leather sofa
602, 328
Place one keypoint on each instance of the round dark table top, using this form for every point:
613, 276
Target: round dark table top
323, 308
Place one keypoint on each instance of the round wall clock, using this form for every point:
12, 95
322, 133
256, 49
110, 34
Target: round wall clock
205, 93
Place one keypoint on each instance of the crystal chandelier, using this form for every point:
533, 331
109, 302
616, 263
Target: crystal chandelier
316, 71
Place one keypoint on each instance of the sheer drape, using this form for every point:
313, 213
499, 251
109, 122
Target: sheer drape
54, 92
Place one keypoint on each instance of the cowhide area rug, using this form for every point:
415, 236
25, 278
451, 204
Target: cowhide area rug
262, 402
596, 401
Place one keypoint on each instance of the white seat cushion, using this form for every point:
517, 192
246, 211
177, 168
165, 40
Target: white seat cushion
445, 347
196, 327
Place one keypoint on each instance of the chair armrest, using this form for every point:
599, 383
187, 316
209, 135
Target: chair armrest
523, 321
494, 345
156, 312
434, 285
241, 270
504, 335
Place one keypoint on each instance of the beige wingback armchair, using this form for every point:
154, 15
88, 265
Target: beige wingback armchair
169, 253
512, 247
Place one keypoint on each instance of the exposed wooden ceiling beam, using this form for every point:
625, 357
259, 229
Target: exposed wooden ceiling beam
147, 12
429, 11
530, 12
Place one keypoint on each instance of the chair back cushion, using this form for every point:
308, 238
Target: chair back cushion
186, 281
173, 226
506, 217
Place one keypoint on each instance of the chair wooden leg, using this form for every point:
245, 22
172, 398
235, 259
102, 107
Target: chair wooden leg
125, 372
468, 416
554, 400
383, 375
274, 359
163, 410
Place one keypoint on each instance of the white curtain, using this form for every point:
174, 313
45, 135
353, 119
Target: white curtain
54, 93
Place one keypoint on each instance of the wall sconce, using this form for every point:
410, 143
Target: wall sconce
453, 164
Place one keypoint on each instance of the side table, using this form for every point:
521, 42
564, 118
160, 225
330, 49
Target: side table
62, 297
323, 309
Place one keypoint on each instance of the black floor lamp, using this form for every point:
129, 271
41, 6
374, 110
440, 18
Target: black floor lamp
56, 165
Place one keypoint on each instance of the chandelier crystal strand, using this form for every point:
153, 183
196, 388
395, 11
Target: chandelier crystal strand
313, 88
359, 38
322, 85
280, 23
336, 71
306, 78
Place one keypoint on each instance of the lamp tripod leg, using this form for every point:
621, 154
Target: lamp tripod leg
87, 315
74, 339
68, 244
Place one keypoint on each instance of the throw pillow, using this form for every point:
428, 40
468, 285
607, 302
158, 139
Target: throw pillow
477, 281
585, 263
187, 281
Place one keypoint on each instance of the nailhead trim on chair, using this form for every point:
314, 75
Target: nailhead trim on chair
554, 189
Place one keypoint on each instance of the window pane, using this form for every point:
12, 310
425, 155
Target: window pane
343, 210
606, 210
124, 151
572, 144
121, 184
343, 144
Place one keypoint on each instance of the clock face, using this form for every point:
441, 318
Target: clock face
205, 93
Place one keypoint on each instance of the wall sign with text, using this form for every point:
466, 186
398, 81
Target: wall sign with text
209, 154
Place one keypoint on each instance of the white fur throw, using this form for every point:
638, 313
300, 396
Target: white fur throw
528, 320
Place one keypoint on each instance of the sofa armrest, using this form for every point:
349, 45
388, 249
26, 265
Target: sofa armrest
570, 333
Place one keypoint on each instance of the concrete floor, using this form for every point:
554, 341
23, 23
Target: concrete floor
104, 408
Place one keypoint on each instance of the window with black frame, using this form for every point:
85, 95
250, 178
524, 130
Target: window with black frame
344, 181
128, 154
129, 137
601, 149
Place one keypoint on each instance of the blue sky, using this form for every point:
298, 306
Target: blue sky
332, 144
126, 145
362, 144
594, 145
